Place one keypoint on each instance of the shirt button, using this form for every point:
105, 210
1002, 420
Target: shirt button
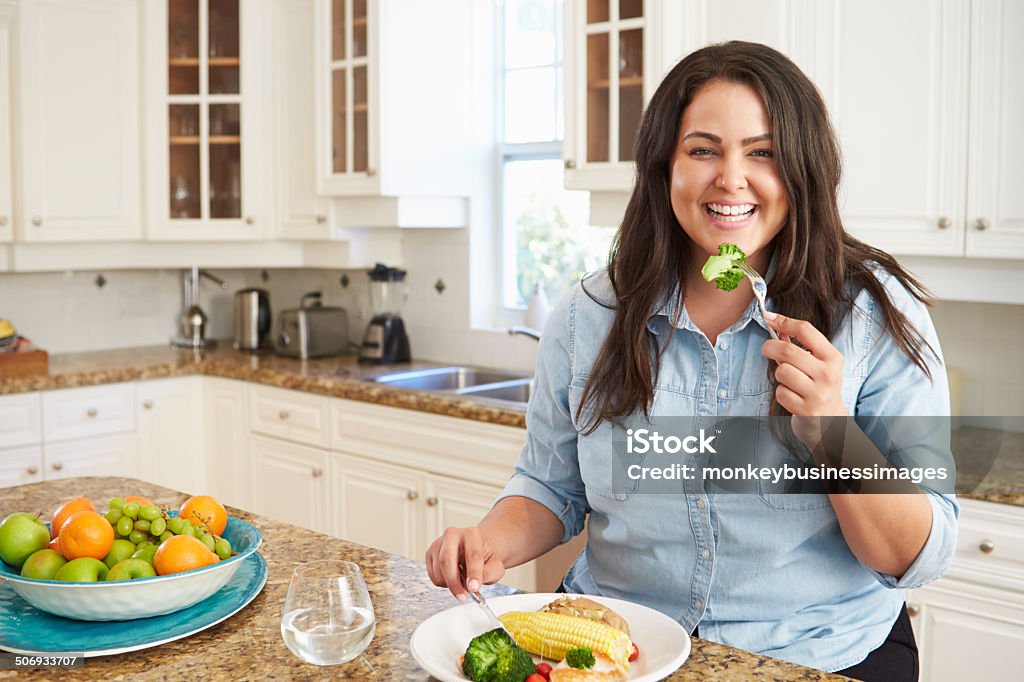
724, 345
697, 603
705, 553
700, 504
722, 393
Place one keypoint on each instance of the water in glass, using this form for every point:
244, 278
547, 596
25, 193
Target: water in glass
328, 618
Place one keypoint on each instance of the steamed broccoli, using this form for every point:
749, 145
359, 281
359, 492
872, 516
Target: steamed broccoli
724, 268
495, 657
580, 657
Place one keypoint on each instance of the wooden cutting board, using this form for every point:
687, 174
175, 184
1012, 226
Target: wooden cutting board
24, 364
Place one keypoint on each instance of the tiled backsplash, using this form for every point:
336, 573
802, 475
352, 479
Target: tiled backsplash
68, 312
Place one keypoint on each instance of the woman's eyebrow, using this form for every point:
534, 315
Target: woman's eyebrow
717, 140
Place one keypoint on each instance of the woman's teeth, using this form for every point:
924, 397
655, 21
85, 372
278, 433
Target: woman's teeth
733, 213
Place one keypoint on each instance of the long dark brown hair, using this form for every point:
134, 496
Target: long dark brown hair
814, 255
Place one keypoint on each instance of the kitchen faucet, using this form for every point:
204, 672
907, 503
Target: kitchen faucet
193, 320
525, 331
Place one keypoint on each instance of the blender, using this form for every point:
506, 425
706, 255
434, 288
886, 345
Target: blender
385, 341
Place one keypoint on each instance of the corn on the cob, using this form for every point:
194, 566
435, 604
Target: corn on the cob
552, 635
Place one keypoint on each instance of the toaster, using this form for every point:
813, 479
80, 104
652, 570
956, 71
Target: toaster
311, 332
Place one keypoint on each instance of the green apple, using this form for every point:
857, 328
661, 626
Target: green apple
21, 536
42, 565
146, 553
119, 551
130, 569
82, 570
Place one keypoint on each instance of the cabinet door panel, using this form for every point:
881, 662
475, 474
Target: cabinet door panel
105, 456
79, 106
378, 505
170, 434
20, 420
287, 482
19, 466
6, 72
227, 440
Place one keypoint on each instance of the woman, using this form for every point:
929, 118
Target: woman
735, 146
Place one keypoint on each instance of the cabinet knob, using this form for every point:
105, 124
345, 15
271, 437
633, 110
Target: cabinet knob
249, 220
147, 404
412, 495
370, 172
318, 472
37, 220
913, 610
570, 164
57, 466
944, 222
92, 412
431, 501
283, 414
321, 219
981, 224
987, 546
3, 220
32, 471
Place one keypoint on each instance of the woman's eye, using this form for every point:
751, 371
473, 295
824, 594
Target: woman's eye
763, 153
701, 151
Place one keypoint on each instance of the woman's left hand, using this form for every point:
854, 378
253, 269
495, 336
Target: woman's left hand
810, 379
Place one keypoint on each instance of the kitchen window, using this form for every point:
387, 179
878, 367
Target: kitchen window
545, 236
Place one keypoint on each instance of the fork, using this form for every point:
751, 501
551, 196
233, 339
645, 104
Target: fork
760, 293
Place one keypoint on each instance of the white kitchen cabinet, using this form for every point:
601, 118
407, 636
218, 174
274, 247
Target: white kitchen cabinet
100, 456
78, 105
392, 109
290, 415
74, 413
170, 422
288, 482
20, 420
7, 15
19, 466
967, 621
205, 139
226, 423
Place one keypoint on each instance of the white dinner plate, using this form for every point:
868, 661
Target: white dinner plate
439, 640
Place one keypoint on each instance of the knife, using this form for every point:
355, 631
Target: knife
482, 603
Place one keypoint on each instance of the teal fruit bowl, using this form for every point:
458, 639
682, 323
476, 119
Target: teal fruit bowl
141, 598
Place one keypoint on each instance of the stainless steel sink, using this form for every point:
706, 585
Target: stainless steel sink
493, 384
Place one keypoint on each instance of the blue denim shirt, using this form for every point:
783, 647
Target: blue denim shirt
769, 573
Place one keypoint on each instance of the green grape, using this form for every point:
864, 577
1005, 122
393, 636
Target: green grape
150, 512
165, 536
124, 526
147, 541
143, 525
137, 536
209, 542
114, 515
176, 525
188, 529
131, 510
157, 526
116, 503
222, 547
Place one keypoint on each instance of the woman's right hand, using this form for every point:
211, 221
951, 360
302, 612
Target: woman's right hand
461, 557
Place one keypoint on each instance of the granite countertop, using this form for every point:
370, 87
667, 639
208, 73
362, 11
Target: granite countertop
998, 454
338, 377
249, 646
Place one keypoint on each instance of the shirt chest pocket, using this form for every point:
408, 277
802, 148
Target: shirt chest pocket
596, 454
773, 451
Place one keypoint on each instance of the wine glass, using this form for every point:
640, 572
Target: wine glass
327, 618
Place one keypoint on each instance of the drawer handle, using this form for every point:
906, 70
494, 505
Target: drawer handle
318, 472
987, 546
147, 404
431, 501
412, 495
913, 610
57, 466
283, 414
92, 412
32, 471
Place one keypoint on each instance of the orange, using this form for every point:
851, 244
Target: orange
206, 511
182, 553
64, 511
143, 501
86, 534
55, 545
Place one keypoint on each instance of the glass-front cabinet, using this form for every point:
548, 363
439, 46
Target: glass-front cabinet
203, 116
609, 78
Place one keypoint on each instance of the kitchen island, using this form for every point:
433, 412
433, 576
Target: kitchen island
248, 646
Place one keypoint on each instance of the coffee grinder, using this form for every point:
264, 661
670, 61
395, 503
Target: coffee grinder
385, 341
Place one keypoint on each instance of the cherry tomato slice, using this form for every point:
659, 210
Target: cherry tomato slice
636, 653
544, 670
536, 678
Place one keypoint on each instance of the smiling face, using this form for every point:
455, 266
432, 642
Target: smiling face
725, 184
